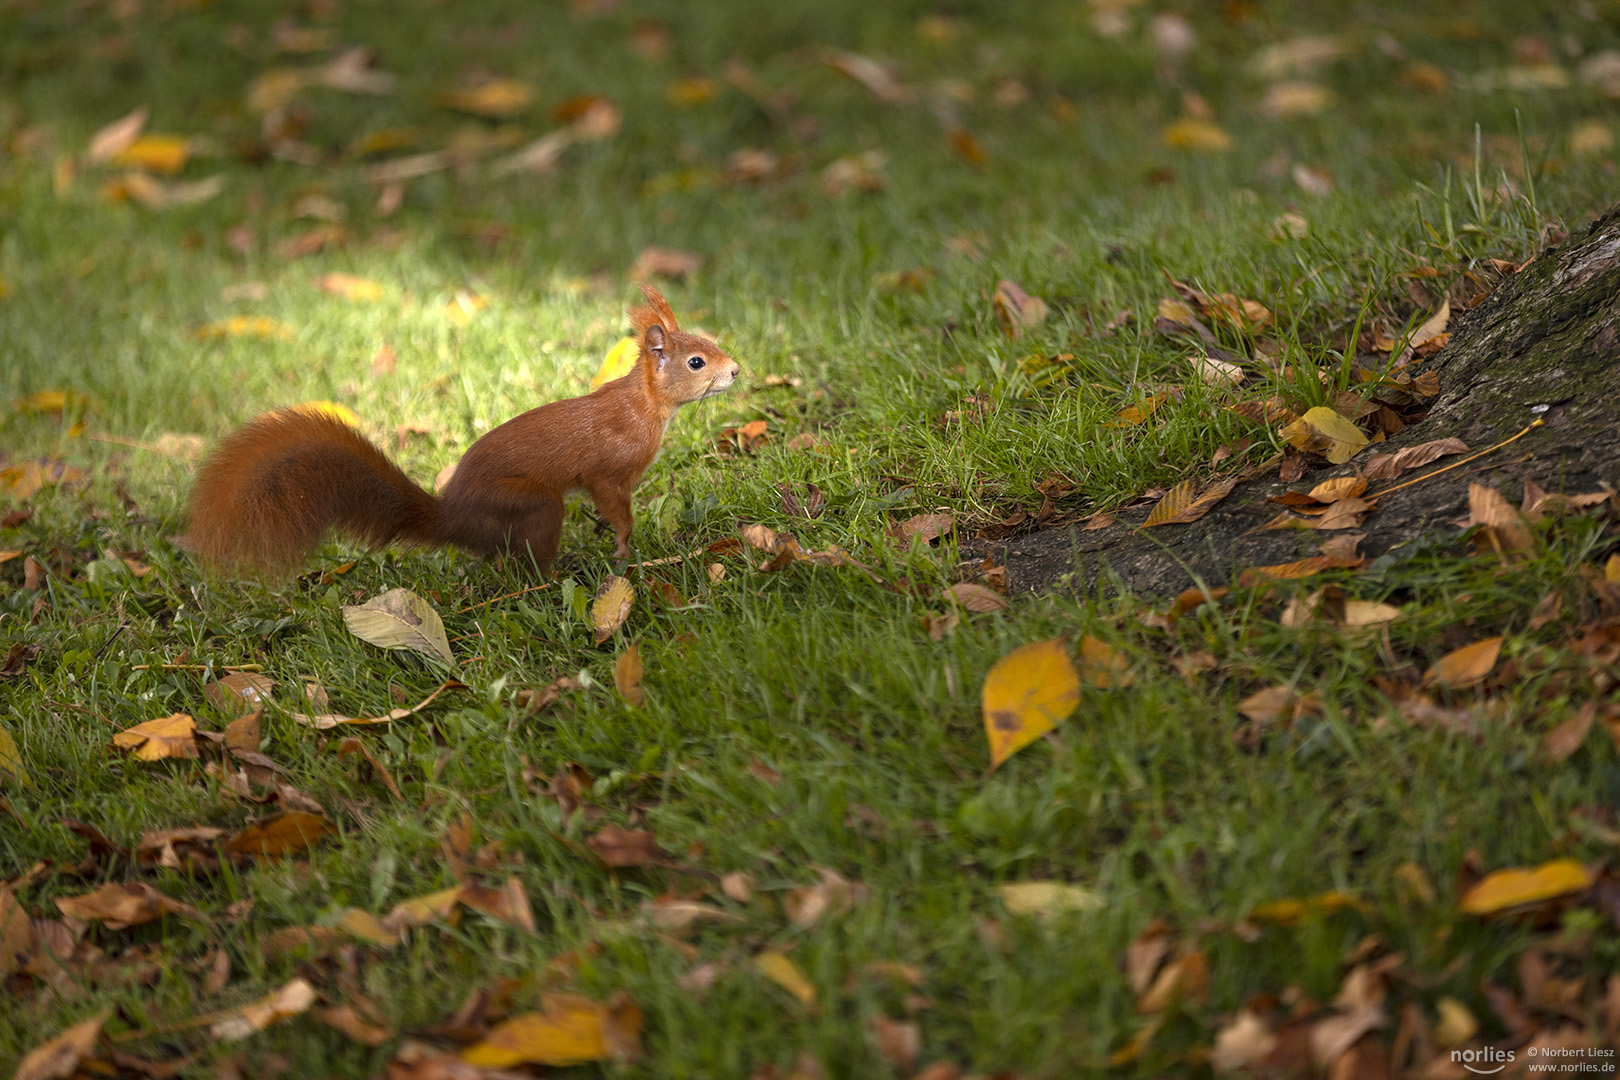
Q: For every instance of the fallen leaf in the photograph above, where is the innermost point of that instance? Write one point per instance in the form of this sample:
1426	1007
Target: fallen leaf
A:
1432	327
1293	912
975	598
239	692
621	848
618	362
11	766
165	154
1026	694
257	326
293	998
1510	888
112	140
1104	666
870	73
326	721
171	736
927	527
1190	133
1323	431
1183	503
494	99
627	676
1287	100
834	894
1562	741
350	287
1047	899
1244	1043
283	834
400	619
347	1019
1457	1025
1464	667
463	306
898	1042
786	974
1016	310
61	1055
1339	488
611	607
121	905
1486	506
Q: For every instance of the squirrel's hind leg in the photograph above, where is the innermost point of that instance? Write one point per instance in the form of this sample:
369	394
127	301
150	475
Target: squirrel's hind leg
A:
538	532
613	503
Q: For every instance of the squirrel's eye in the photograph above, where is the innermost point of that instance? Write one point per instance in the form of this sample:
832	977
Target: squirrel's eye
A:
695	363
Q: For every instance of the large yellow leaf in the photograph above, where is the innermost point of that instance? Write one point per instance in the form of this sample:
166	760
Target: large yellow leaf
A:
612	606
495	99
399	619
1190	133
1510	888
1026	694
11	766
166	737
617	363
154	153
1183	504
1323	431
571	1031
289	1000
1047	899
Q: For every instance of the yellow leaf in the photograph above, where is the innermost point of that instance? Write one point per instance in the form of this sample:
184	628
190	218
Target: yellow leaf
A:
1192	134
1457	1025
1466	666
359	289
1104	666
786	974
367	927
400	619
1510	888
618	362
1432	327
569	1032
1323	431
258	326
11	766
1047	898
423	910
496	98
165	737
1182	504
693	91
1135	414
1289	912
1343	487
612	606
463	306
1369	613
1611	570
1026	694
45	402
62	1054
627	676
154	153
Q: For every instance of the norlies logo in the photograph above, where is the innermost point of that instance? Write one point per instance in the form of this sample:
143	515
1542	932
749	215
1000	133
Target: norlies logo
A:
1485	1062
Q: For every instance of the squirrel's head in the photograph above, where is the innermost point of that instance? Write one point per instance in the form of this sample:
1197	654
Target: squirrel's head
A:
679	367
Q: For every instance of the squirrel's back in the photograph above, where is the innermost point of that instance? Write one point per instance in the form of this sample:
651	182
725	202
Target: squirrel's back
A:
270	491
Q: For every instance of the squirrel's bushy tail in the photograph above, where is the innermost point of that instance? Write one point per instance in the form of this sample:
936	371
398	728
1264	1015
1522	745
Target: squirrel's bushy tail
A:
271	490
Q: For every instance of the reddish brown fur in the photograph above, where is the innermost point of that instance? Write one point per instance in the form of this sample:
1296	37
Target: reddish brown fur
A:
271	491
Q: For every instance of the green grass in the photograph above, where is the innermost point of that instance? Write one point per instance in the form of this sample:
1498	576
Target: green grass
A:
1146	795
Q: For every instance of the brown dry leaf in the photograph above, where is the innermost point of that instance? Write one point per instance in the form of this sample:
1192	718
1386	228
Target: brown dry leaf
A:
1217	372
1343	487
166	737
239	692
61	1055
327	721
611	607
112	140
1026	694
1301	568
654	261
967	147
1344	514
347	1019
786	974
898	1042
243	732
1186	977
1243	1044
1389	466
975	598
1183	503
927	527
284	834
872	74
1104	666
1190	133
190	848
759	537
1016	310
938	626
1504	889
856	172
1272	703
290	1000
1432	327
1465	667
1292	912
627	671
508	904
16	933
1562	741
1487	507
620	848
834	894
532	701
1131	415
424	910
120	906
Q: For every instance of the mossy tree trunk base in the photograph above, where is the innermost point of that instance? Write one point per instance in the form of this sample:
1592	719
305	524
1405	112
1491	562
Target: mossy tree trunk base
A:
1546	344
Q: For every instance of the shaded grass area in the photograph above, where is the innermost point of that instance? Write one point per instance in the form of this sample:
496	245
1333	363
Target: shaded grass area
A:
1156	796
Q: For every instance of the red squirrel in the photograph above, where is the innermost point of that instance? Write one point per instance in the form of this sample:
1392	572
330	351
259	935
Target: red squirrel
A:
270	492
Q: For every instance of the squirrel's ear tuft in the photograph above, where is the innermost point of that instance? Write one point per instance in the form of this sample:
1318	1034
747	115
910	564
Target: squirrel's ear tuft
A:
660	307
